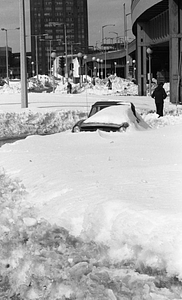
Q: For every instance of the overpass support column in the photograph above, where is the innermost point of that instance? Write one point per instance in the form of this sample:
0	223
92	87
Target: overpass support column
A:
141	59
175	50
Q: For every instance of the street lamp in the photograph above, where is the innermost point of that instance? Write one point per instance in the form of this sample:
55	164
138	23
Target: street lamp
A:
101	64
66	52
33	71
103	41
53	55
23	60
72	44
50	49
85	58
36	51
80	55
98	60
126	39
134	68
93	72
7	63
149	52
115	64
103	31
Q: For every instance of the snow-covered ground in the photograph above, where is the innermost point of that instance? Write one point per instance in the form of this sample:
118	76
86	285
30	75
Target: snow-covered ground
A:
90	215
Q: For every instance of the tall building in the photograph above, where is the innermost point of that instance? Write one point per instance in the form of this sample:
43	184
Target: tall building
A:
57	25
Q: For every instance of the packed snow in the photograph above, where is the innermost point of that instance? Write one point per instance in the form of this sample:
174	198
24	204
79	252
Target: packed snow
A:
89	215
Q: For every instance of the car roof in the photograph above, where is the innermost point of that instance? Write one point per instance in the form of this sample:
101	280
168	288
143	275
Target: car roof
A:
108	102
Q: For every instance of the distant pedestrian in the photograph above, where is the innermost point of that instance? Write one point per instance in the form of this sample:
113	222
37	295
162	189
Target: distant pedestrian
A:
109	84
69	88
159	94
125	91
93	80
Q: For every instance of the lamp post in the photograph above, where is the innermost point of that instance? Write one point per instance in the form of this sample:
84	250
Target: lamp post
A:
115	64
149	52
53	55
93	60
85	58
23	62
103	42
7	58
36	51
80	55
33	71
101	64
103	32
98	72
134	68
50	51
105	60
72	44
126	39
66	52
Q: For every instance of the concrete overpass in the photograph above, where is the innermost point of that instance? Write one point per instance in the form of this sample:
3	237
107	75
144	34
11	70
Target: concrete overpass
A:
113	60
156	24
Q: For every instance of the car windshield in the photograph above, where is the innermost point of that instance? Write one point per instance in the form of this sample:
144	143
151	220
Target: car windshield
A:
95	109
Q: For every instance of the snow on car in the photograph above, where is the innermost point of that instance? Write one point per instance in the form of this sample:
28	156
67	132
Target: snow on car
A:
114	118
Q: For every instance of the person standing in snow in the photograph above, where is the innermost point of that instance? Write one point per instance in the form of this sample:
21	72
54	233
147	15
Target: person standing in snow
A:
109	84
69	88
159	94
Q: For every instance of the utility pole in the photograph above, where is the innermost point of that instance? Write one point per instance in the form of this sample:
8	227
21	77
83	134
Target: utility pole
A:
126	39
23	62
66	52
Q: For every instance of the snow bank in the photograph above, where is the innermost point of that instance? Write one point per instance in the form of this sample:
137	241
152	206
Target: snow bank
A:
40	261
21	124
123	250
120	86
40	121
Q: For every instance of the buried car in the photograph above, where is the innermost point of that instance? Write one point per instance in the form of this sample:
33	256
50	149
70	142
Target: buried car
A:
111	116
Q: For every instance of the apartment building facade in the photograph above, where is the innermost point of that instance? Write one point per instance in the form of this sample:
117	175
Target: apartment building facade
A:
60	26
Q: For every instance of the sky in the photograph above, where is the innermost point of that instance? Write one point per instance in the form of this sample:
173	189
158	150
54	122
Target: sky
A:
100	12
119	189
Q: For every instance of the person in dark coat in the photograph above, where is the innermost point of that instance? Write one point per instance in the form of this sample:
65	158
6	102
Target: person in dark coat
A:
109	84
159	94
69	88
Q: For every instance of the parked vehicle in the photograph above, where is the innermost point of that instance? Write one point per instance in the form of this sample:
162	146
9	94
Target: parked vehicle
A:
110	116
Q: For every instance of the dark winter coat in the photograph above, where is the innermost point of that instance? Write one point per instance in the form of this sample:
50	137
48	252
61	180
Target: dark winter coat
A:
159	94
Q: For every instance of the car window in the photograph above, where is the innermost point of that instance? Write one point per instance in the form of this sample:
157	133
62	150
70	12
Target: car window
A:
95	109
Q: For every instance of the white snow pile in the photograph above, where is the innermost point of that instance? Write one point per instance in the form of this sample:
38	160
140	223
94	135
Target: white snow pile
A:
43	261
13	87
41	122
120	86
40	85
27	122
